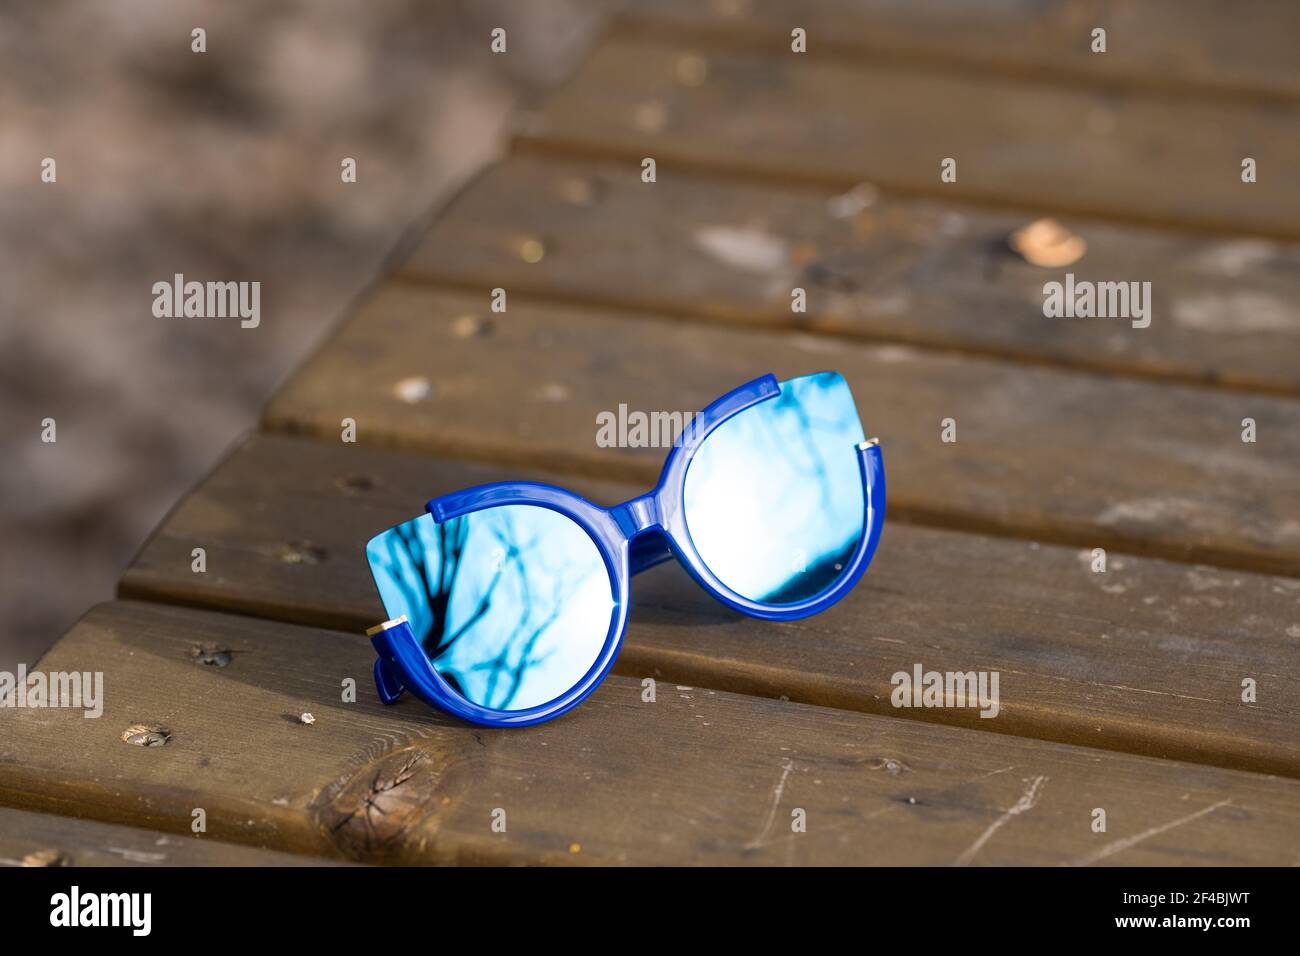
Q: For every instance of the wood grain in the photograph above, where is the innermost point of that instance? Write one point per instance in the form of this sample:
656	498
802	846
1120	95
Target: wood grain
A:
695	777
42	839
936	275
1196	47
1147	657
1129	156
1059	456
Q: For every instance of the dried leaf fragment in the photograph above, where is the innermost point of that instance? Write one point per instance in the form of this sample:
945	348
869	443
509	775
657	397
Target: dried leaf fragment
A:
146	735
1046	243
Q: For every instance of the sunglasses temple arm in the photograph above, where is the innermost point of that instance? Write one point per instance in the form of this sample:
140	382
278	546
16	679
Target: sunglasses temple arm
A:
387	682
646	551
389	638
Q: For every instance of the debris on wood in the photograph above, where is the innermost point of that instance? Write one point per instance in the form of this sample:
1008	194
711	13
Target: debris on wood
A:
211	656
651	116
301	552
692	69
413	389
470	326
146	735
746	248
45	858
532	250
579	190
849	204
1046	243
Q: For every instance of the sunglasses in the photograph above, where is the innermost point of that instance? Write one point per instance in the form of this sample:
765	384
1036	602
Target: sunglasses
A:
508	601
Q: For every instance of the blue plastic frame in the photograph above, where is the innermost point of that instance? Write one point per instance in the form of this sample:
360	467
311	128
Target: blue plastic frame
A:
631	537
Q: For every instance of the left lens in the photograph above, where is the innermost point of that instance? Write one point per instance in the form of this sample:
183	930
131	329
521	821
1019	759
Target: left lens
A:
773	498
512	604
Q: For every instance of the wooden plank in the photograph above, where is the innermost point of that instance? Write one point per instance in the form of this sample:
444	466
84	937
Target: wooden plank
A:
695	777
1194	46
1146	658
43	839
1040	453
1226	312
284	523
1135	157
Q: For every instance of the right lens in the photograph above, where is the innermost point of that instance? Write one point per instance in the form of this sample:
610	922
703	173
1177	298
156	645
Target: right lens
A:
512	604
773	498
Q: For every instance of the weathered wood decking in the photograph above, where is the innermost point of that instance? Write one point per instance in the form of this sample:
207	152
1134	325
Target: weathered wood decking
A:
1120	691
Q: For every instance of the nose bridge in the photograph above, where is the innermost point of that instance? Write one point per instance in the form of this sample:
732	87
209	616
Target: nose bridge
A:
638	515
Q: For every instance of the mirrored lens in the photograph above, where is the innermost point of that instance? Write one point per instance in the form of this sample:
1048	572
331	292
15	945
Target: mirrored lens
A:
774	498
511	604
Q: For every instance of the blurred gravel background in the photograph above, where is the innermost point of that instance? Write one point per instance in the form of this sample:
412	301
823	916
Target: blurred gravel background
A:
221	166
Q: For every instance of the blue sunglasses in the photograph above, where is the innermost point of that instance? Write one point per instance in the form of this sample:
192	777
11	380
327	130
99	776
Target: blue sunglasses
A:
508	601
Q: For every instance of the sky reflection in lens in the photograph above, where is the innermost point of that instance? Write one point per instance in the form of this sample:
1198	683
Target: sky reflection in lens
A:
512	604
774	498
